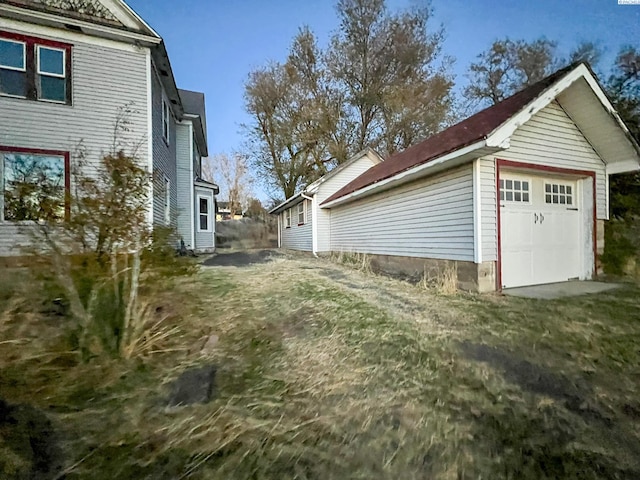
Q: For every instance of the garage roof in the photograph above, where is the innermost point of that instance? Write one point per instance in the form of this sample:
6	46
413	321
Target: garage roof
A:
493	127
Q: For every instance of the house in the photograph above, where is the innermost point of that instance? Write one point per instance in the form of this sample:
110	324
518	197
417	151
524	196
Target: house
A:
95	74
517	194
302	224
223	212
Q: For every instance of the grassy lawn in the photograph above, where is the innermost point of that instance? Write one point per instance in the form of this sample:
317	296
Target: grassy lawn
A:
325	372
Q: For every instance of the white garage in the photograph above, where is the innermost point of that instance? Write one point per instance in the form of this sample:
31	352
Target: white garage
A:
546	228
515	195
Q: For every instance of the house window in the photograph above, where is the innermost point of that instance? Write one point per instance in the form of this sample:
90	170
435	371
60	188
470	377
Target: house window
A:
167	201
558	194
51	74
13	68
204	214
34	186
287	218
301	212
35	69
517	191
166	116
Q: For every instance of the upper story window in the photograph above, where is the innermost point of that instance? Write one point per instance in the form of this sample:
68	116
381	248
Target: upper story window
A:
166	117
35	69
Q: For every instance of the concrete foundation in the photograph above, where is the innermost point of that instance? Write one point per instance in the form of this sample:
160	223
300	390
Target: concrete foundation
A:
471	276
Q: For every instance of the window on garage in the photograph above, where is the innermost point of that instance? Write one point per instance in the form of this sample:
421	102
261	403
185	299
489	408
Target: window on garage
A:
515	190
558	194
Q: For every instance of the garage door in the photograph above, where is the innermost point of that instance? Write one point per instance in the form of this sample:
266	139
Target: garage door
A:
540	230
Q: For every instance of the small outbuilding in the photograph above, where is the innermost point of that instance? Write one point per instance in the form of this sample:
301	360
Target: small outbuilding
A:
515	195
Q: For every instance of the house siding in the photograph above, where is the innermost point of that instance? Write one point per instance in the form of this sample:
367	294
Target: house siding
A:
104	80
328	188
164	156
430	218
184	184
298	237
550	138
205	240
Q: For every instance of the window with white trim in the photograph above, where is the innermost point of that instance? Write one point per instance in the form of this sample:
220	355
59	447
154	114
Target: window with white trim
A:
204	214
287	218
33	185
51	74
558	194
166	118
167	201
13	68
516	191
301	212
35	69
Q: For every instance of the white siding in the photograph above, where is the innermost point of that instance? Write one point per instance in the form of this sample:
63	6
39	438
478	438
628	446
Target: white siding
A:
550	138
328	188
185	183
104	79
205	240
298	237
431	218
489	239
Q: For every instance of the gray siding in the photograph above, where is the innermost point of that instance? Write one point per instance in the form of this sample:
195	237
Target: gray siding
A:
205	240
298	237
550	138
164	157
328	188
431	218
104	80
184	184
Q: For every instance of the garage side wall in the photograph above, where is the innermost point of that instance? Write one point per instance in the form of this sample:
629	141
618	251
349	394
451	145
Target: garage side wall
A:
297	237
430	218
550	138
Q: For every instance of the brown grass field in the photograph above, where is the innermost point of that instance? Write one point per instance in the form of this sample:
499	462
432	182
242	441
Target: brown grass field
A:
327	371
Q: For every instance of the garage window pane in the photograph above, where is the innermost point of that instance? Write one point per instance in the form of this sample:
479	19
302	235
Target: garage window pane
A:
509	184
525	186
509	196
517	196
525	197
547	199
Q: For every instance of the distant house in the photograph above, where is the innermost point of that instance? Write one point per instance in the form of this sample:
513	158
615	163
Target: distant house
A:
224	212
66	73
515	195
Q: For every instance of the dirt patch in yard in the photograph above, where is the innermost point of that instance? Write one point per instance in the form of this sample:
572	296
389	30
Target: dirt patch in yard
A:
241	259
576	394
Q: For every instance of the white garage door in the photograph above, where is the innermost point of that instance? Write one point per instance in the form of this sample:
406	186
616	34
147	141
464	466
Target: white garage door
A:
540	230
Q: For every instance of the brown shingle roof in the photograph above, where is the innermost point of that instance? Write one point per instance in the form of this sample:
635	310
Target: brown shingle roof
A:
467	132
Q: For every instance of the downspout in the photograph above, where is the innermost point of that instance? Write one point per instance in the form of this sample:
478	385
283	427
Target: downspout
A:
314	225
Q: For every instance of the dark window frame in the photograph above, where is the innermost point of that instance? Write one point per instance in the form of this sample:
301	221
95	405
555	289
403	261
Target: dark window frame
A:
31	63
5	149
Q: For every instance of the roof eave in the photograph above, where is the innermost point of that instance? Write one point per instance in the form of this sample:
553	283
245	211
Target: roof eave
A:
289	202
475	150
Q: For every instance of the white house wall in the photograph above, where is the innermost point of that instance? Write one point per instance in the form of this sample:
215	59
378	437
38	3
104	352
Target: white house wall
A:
106	76
430	218
550	138
298	237
184	183
328	188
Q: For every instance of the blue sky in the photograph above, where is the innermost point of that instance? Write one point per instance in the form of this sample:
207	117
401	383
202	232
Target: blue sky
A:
214	44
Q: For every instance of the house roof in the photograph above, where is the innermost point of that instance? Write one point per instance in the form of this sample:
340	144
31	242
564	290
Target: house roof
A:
194	106
463	134
313	187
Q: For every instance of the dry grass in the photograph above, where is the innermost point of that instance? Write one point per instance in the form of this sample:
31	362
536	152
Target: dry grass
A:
443	282
328	372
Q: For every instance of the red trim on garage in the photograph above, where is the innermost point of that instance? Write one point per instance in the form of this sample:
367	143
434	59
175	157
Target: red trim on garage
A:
543	168
67	169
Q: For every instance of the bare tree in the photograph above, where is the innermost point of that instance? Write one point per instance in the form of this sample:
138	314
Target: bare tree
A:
508	66
232	175
379	84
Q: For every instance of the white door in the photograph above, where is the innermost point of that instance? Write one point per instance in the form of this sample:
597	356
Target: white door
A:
540	229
